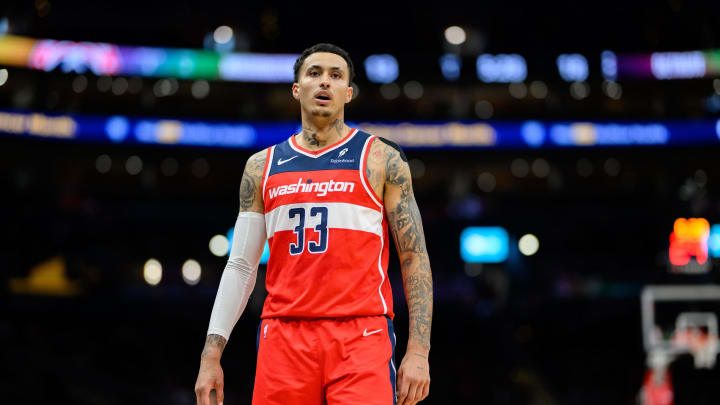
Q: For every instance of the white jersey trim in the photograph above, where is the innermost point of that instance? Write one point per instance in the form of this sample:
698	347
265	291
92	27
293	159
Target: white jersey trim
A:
382	273
267	172
314	156
361	171
340	216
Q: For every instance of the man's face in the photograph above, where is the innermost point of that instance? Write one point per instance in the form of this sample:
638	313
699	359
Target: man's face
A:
323	86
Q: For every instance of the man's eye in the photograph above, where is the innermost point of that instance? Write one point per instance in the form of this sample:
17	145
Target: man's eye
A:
314	73
336	75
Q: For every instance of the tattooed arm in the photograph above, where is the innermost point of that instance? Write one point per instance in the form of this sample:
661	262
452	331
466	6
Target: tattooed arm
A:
237	281
406	227
251	184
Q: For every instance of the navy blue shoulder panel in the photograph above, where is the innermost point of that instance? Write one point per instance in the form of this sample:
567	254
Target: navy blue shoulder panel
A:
346	156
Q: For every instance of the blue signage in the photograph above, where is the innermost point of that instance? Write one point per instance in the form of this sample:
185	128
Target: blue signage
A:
436	135
484	244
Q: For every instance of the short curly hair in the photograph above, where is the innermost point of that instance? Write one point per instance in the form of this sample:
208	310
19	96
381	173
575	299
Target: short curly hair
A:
324	47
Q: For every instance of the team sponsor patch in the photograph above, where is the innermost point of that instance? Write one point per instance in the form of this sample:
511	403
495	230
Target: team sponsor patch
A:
342	160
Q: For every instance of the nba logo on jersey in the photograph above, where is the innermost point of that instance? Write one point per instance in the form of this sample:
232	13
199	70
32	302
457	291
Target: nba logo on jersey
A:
326	230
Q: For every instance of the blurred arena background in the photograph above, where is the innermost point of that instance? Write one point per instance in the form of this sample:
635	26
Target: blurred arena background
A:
565	158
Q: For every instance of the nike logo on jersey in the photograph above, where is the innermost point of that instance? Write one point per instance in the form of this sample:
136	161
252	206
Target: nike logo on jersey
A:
282	162
321	188
366	333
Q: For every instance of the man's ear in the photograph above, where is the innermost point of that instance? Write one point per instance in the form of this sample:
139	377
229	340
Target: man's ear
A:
349	94
296	91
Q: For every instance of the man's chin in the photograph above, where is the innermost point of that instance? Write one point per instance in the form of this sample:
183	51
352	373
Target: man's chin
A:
321	112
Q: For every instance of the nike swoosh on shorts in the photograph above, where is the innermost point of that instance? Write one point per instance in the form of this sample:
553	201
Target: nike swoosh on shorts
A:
366	333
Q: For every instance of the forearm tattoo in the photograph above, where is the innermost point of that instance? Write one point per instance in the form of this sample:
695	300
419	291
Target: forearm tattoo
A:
419	293
405	216
406	226
213	341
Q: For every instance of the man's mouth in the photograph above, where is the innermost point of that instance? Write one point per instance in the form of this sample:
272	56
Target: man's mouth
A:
323	97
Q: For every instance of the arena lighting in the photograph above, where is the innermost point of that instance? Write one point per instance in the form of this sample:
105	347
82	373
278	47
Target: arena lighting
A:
253	67
266	250
502	68
540	168
486	182
219	245
200	89
533	133
439	135
79	84
589	134
714	241
222	34
450	65
455	35
110	60
608	63
538	89
519	168
103	164
484	109
612	89
579	90
191	272
689	239
3	76
484	244
677	65
662	65
117	128
572	67
134	165
413	90
194	133
528	244
381	68
152	272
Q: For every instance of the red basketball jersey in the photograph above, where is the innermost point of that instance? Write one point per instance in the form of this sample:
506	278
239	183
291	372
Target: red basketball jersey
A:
327	232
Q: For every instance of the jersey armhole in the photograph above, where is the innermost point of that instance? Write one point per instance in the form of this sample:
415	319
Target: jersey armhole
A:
266	170
363	171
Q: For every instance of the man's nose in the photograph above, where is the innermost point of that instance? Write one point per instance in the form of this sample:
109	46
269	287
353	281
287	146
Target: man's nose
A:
325	81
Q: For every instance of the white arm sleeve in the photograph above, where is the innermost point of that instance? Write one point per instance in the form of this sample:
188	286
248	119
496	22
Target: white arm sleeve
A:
238	278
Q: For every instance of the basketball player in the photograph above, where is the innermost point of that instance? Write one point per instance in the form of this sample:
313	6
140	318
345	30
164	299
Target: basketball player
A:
324	199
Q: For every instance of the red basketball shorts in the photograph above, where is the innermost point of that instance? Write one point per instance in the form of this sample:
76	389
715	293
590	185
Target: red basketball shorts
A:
325	361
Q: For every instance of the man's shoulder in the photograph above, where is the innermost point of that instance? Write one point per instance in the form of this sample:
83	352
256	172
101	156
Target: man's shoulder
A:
256	162
392	148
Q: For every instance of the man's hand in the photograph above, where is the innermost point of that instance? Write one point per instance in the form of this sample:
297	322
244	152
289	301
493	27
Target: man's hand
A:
413	383
210	376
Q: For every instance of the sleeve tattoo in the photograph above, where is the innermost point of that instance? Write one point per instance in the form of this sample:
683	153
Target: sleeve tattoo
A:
251	183
406	226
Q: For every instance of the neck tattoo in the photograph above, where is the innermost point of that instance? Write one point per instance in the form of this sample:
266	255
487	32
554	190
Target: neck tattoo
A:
338	125
311	138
